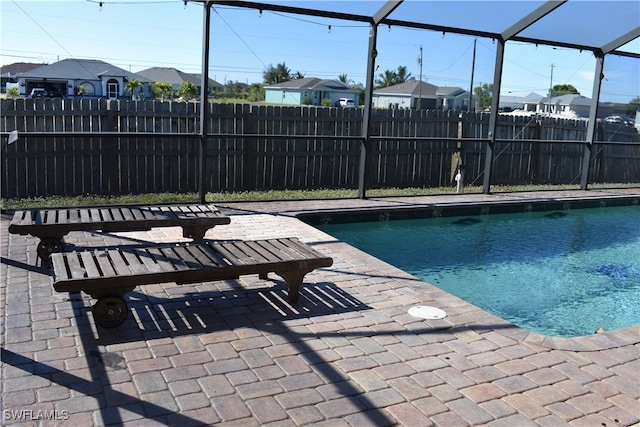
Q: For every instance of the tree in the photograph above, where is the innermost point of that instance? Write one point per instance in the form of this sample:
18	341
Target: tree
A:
483	95
402	76
187	91
278	74
564	89
256	92
345	79
132	86
386	79
82	91
13	92
237	88
162	91
391	78
297	76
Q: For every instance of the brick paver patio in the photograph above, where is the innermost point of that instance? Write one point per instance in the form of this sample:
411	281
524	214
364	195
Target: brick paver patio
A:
348	354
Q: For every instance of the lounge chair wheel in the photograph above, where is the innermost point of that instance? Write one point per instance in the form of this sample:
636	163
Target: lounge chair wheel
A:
110	312
49	245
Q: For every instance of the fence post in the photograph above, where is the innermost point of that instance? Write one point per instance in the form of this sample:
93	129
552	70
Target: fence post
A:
457	159
250	148
535	153
110	120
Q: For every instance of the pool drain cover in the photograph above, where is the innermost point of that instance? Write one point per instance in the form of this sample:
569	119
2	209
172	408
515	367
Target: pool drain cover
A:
426	312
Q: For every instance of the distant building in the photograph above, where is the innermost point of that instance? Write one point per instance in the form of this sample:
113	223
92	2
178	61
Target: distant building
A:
528	102
406	95
418	94
568	105
452	98
176	77
309	91
63	78
564	104
10	73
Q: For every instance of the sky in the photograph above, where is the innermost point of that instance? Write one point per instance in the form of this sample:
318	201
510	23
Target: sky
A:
139	34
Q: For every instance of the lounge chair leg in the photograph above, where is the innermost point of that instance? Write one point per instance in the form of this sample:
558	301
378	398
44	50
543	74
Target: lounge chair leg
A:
195	233
294	280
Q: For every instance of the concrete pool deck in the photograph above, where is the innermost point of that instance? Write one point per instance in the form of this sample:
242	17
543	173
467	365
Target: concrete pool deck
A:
348	354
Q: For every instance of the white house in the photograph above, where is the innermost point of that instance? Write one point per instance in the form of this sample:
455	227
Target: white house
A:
63	78
309	91
415	93
528	102
406	95
452	98
569	104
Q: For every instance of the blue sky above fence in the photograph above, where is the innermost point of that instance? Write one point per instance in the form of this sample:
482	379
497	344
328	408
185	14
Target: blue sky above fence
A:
135	35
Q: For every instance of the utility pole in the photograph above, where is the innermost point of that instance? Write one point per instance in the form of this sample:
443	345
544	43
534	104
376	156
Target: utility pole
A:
550	88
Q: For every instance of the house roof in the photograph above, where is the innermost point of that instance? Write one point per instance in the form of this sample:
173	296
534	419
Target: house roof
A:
533	97
12	70
312	83
414	87
80	69
567	99
571	99
450	91
173	76
530	98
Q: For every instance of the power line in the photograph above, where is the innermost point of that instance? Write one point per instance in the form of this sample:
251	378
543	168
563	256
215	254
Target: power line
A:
239	38
47	33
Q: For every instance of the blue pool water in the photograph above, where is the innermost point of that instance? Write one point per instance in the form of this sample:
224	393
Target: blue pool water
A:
559	273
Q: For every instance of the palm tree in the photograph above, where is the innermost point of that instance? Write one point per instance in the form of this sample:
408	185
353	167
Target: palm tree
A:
388	78
13	92
402	76
278	74
131	86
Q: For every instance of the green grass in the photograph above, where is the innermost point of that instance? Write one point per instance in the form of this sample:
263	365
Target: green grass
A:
155	198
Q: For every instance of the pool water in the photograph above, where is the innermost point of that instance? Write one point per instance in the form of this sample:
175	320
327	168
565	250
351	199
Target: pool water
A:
560	273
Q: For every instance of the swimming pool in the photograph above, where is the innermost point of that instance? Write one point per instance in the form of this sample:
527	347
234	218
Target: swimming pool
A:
562	273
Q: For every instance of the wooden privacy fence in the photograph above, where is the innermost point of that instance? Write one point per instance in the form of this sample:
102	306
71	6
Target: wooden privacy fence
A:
82	146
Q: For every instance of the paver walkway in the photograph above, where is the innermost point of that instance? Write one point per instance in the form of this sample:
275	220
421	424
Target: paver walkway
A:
348	354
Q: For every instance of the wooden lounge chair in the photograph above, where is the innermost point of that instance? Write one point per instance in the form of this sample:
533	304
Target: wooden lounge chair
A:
51	225
108	274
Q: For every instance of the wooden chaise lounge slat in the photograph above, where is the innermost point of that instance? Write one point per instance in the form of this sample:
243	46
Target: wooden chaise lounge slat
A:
51	225
111	273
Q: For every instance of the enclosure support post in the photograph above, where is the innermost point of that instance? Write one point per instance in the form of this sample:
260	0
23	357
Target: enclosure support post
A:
493	121
204	103
366	119
381	14
539	13
591	127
